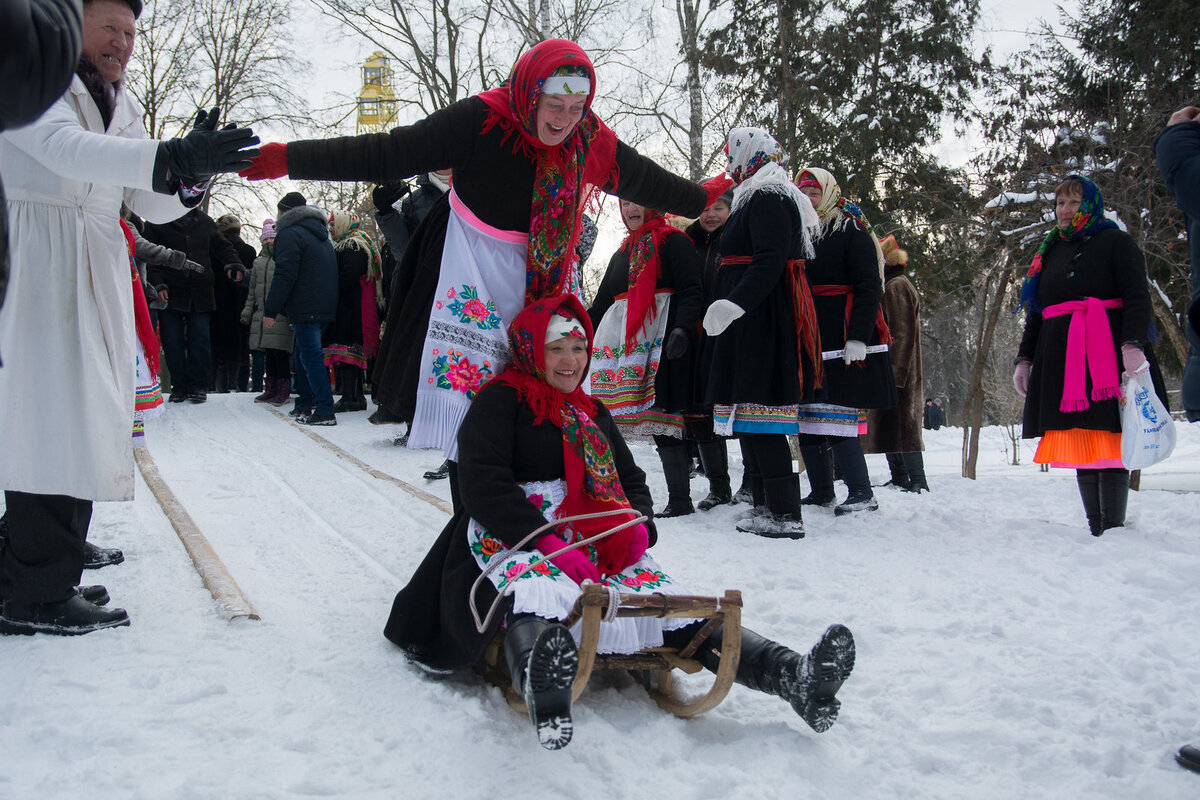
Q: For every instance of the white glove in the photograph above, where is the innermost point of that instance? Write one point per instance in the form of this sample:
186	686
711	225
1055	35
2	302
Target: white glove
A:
720	315
855	351
1021	378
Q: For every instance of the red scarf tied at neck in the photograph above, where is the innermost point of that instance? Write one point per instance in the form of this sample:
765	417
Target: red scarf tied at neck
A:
591	473
565	174
644	247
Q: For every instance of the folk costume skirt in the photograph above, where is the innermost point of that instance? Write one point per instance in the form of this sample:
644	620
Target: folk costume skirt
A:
546	591
148	399
481	287
623	377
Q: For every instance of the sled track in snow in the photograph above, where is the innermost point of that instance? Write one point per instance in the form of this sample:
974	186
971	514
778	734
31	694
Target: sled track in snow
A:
416	492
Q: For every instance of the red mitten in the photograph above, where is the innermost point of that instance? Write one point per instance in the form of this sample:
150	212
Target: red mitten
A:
716	187
270	163
622	549
574	563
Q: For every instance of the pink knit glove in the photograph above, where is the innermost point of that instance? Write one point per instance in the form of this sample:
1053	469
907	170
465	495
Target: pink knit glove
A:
1021	377
1133	359
574	563
622	549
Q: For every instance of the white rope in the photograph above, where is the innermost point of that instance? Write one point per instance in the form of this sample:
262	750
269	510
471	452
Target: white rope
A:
614	602
499	558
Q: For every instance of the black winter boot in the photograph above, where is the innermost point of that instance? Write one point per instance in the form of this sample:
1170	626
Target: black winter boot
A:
677	469
542	661
1089	492
914	462
820	476
783	519
96	557
716	466
808	682
70	617
848	453
352	398
900	479
1114	498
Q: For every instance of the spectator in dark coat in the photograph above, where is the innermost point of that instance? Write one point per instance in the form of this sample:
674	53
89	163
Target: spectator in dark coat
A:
230	339
306	287
39	45
186	323
1178	152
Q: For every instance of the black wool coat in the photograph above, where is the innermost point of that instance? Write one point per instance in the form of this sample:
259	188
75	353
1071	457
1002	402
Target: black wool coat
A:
1107	265
847	257
346	328
498	447
196	234
492	180
673	385
228	333
755	359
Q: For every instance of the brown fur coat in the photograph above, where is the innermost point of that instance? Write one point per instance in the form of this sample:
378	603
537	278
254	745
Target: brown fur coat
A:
898	429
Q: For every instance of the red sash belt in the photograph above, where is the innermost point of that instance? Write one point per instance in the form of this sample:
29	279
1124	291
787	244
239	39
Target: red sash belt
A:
834	289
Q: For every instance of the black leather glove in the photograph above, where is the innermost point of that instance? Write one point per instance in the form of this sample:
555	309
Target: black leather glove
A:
677	343
385	195
205	152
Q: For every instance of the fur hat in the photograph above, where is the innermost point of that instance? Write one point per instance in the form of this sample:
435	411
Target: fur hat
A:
292	200
228	222
892	254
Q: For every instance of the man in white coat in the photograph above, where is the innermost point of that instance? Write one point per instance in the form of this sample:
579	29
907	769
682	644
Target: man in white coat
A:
67	328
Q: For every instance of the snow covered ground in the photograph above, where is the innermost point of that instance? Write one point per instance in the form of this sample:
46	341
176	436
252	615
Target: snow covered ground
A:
1002	651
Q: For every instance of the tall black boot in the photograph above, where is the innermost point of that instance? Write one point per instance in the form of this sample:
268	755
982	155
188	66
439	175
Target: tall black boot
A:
677	469
900	479
1089	491
1114	498
352	399
914	462
820	476
715	458
808	682
848	453
783	519
542	661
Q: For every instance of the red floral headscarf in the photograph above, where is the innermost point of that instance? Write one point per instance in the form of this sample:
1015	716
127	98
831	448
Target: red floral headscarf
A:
565	174
591	473
644	247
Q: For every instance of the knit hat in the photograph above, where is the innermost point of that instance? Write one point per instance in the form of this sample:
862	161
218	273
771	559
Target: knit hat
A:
292	200
268	231
892	254
228	222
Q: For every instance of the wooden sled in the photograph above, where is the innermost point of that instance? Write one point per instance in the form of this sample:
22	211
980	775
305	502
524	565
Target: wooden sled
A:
592	607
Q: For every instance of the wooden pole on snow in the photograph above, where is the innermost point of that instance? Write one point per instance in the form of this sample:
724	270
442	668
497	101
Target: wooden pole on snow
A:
216	577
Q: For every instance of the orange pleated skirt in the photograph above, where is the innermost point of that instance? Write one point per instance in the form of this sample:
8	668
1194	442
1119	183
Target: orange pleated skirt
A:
1078	448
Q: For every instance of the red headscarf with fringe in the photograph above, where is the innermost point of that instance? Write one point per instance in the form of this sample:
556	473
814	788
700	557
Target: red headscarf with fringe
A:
591	473
565	174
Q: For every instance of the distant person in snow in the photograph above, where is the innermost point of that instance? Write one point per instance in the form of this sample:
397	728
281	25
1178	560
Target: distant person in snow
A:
1087	318
536	448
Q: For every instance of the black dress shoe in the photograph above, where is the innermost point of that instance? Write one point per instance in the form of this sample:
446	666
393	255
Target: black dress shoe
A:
440	473
69	617
177	397
97	557
96	595
197	397
381	416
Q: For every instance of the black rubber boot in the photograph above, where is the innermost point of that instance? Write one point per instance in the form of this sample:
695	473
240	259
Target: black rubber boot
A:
677	469
1089	492
900	479
820	476
352	399
542	661
783	519
808	682
914	463
1114	498
716	466
847	452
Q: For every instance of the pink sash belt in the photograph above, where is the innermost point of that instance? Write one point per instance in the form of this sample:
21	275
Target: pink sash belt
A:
1089	350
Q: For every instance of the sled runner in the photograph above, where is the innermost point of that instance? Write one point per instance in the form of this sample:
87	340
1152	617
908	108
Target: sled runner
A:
597	604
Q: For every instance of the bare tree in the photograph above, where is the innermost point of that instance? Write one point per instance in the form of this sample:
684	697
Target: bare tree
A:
161	76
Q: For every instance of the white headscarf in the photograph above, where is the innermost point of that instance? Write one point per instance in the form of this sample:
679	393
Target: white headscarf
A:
758	163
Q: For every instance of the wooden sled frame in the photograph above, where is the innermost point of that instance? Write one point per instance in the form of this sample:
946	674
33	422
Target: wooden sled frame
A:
592	607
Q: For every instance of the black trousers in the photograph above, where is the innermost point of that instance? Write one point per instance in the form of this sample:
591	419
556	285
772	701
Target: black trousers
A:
42	559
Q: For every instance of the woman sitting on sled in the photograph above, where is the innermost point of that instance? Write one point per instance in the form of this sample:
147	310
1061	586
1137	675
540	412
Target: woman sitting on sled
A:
535	448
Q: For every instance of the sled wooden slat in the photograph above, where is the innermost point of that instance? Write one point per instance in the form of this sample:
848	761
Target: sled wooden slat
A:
590	610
